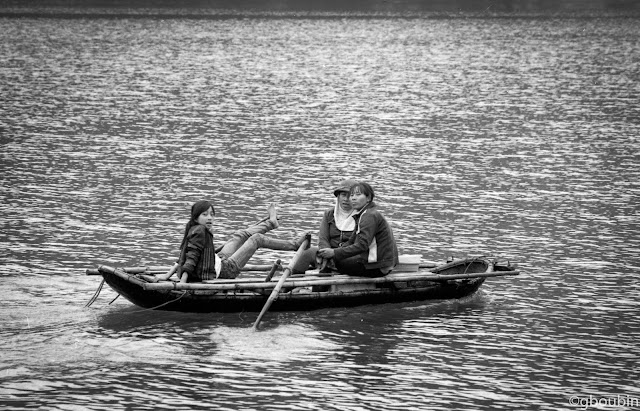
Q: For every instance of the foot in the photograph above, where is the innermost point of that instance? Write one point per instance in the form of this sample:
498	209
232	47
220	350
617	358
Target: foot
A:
273	215
322	267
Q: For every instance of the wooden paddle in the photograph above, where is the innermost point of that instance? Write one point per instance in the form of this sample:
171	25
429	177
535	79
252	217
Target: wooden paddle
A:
272	271
274	294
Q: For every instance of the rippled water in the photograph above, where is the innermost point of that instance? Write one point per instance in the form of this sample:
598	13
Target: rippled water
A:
510	137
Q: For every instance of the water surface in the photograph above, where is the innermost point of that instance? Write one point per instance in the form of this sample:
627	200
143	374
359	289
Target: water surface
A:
515	138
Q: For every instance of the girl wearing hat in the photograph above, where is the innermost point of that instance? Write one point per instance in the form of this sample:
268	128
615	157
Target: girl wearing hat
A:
371	250
337	223
336	227
198	258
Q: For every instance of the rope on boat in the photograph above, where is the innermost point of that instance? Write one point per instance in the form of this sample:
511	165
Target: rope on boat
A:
161	305
468	265
473	259
97	293
95	296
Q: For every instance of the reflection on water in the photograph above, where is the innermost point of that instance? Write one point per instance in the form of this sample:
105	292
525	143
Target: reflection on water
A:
515	138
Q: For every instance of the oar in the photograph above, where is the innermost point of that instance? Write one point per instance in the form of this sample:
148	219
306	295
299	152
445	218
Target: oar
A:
274	267
283	278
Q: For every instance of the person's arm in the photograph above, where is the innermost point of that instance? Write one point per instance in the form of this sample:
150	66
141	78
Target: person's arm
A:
195	245
359	242
324	235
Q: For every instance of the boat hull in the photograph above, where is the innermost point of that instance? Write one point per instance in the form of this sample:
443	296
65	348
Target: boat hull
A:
305	299
231	301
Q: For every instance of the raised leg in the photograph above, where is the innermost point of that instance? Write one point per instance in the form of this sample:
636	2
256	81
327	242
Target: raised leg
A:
239	237
246	251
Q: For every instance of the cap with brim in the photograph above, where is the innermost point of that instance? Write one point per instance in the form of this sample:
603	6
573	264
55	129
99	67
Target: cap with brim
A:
344	186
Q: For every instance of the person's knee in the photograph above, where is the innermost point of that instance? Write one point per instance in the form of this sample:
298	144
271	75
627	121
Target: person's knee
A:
257	239
306	261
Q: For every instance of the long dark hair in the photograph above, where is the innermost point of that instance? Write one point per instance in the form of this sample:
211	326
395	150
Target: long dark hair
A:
197	208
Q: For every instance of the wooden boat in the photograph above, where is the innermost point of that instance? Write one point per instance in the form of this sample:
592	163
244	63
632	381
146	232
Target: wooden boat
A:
309	291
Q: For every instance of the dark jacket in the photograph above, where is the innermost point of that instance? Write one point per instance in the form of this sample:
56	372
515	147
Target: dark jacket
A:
330	236
371	224
199	257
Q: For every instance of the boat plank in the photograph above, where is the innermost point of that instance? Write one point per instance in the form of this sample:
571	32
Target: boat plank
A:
318	282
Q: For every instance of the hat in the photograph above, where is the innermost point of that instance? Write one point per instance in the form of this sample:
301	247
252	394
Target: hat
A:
344	186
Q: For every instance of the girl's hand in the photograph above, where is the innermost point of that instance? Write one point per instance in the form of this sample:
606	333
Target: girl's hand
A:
326	253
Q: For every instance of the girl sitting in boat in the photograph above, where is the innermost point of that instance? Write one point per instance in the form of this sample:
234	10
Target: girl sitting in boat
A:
335	229
371	250
337	223
198	260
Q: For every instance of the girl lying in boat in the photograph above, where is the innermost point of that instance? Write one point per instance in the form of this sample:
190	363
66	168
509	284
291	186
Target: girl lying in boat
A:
198	259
